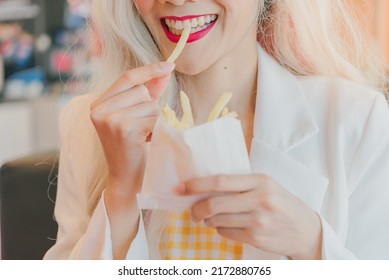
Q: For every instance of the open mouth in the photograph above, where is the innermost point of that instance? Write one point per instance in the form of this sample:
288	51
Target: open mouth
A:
200	26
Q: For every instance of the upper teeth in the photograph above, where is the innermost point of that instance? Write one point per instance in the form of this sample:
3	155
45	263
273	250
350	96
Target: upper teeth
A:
194	22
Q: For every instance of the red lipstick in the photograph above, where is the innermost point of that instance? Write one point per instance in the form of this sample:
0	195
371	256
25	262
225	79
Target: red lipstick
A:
193	36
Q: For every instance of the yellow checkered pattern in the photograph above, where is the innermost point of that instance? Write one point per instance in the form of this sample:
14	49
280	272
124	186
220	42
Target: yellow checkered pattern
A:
184	239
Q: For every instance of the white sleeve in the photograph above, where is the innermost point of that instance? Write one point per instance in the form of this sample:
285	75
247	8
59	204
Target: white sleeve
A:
368	199
81	235
96	242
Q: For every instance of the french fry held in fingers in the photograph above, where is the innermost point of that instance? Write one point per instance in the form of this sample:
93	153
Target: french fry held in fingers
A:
181	44
187	121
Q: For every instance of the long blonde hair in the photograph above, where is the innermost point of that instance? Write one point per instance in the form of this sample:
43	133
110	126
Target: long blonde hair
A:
322	38
309	37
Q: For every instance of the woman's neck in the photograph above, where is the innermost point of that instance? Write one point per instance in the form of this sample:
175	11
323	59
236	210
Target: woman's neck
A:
237	73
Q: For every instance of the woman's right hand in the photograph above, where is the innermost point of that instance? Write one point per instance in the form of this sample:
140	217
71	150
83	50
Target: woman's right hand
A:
124	117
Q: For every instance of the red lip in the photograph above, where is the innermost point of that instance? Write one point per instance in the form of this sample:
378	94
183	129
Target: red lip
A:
193	37
187	17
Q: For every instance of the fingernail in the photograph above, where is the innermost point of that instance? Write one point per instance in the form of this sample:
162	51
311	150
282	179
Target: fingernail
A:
168	66
180	189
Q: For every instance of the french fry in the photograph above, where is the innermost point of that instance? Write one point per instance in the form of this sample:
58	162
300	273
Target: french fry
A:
172	120
187	116
227	113
220	104
232	114
180	45
224	112
187	121
170	116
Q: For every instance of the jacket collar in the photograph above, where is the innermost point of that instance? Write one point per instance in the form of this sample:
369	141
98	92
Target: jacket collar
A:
282	122
282	119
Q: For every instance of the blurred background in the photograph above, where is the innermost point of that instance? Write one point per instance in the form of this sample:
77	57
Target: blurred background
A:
42	48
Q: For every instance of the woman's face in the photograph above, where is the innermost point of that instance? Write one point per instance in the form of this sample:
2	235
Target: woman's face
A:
218	27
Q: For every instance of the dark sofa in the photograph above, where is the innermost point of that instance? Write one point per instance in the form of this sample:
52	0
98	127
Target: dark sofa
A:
27	193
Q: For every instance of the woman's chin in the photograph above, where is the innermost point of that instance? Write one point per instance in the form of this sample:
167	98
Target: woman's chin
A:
190	69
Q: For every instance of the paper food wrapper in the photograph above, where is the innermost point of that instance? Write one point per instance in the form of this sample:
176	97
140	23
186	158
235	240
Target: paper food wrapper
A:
213	148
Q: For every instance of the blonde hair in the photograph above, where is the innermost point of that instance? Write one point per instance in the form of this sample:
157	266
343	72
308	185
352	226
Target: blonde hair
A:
308	37
322	38
126	43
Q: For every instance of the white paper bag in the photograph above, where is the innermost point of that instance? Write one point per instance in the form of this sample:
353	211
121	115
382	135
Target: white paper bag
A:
217	147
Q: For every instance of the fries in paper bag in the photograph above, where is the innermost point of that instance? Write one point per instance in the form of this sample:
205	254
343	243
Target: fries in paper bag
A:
180	151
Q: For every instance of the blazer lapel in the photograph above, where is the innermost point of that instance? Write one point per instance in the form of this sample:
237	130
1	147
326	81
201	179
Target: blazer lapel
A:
282	122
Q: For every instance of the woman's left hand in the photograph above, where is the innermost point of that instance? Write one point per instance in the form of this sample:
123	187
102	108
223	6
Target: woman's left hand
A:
255	209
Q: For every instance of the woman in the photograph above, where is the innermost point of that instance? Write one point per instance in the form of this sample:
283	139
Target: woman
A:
316	129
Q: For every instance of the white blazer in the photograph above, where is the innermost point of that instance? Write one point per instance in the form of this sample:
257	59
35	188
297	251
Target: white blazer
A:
326	140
